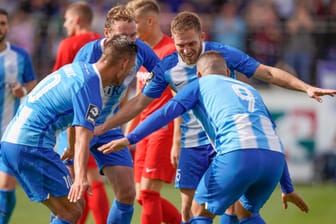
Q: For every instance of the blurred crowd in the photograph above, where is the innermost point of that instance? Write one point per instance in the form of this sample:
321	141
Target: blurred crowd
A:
292	34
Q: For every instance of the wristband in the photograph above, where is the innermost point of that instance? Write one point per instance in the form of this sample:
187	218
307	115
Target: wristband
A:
24	90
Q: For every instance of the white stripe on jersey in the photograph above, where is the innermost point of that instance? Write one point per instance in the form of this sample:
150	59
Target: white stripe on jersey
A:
15	129
245	132
273	140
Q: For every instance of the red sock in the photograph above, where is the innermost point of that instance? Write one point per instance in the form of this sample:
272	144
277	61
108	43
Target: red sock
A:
85	211
151	207
98	202
170	214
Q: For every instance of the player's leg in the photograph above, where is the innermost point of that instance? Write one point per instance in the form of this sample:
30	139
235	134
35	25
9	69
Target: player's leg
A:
121	180
157	170
271	165
118	169
98	202
193	162
44	178
7	195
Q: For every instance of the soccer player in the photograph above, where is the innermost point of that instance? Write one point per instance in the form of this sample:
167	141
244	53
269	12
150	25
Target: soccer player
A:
117	167
177	70
72	96
152	166
77	22
249	161
17	78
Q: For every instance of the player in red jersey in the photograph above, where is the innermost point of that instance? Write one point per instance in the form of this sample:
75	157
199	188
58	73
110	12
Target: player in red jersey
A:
152	166
78	20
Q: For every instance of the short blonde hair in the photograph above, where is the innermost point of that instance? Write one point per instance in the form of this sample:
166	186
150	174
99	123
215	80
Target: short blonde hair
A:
185	21
83	9
119	13
144	6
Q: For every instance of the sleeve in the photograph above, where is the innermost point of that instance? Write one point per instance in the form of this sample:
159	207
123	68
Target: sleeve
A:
286	182
184	100
237	60
146	55
87	105
156	120
90	52
157	84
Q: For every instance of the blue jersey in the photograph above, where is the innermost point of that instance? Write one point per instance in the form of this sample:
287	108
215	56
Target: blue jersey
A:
232	113
15	66
174	72
113	95
71	95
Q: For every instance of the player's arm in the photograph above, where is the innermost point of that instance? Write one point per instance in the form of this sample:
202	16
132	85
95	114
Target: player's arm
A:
288	193
127	112
284	79
153	122
83	137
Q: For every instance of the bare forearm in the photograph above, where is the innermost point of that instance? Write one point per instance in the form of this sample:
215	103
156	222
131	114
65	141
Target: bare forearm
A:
128	111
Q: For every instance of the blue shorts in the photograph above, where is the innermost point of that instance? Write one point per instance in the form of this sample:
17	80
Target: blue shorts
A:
192	164
40	171
119	158
250	175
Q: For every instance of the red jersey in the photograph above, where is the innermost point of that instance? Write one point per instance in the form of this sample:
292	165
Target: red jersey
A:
163	48
69	47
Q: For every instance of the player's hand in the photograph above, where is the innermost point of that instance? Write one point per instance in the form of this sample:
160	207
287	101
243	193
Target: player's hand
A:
78	188
316	93
68	154
296	199
114	145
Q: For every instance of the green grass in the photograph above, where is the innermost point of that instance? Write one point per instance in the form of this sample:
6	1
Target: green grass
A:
321	200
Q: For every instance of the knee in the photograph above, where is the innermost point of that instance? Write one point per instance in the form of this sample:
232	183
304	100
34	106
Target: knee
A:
126	195
7	182
72	213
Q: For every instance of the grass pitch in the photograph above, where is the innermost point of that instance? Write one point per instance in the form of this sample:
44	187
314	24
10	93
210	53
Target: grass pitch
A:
321	200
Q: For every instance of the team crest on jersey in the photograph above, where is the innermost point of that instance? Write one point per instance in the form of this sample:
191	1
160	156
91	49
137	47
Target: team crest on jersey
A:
92	114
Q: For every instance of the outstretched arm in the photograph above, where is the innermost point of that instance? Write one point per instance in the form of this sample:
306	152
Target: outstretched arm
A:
284	79
152	123
127	112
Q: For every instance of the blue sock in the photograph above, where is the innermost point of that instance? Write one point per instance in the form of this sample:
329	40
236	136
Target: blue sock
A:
56	220
184	222
120	213
200	220
52	217
7	204
255	219
228	219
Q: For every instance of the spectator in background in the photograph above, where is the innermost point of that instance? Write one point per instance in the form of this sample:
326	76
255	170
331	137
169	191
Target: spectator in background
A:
17	78
228	27
299	44
22	32
77	22
264	32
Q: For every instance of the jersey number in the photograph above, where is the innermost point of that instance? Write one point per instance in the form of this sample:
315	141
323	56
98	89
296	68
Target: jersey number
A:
245	94
52	82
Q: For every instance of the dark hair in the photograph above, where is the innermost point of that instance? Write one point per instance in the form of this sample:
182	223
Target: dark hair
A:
3	12
119	47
